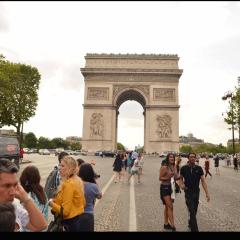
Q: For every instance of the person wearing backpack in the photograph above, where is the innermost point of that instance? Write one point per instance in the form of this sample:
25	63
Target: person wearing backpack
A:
53	179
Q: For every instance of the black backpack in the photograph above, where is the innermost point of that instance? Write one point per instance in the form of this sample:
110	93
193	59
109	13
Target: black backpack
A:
51	183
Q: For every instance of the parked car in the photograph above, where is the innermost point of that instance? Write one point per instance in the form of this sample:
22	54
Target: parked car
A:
185	155
98	153
70	152
76	153
9	149
44	152
108	154
163	154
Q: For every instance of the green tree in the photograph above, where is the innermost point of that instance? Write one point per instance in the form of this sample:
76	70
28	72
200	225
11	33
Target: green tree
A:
30	140
186	149
58	143
44	142
76	146
120	146
19	84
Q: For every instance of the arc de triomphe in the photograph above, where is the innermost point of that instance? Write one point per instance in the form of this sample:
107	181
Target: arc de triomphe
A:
111	79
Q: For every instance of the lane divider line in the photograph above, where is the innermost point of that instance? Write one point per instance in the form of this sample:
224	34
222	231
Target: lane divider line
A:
132	208
105	188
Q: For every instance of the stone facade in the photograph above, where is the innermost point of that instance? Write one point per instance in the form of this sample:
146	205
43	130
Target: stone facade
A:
111	79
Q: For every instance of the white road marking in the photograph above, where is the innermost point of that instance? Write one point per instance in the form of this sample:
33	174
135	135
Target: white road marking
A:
105	188
132	209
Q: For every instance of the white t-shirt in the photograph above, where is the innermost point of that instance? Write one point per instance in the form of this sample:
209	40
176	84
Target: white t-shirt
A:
22	217
135	166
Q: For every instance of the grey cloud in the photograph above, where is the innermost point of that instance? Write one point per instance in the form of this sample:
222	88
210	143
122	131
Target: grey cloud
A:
224	54
46	68
133	123
131	109
72	78
3	20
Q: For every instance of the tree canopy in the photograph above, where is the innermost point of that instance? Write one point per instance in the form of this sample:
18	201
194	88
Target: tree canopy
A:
30	140
19	84
120	146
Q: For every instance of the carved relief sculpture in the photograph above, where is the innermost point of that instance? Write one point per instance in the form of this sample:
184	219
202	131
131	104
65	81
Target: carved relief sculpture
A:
167	94
96	125
164	124
98	93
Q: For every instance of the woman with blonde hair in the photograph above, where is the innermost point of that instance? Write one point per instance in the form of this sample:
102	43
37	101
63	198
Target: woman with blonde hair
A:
70	196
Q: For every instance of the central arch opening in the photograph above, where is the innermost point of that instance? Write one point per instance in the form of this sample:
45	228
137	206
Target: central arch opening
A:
130	130
130	119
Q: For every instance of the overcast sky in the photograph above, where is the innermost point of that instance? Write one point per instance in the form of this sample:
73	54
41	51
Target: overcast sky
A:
55	37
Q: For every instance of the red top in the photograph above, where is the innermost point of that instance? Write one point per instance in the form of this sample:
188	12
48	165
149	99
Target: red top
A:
206	164
21	152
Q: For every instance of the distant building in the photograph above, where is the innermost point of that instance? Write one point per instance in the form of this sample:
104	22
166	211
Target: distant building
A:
190	140
8	132
230	142
73	139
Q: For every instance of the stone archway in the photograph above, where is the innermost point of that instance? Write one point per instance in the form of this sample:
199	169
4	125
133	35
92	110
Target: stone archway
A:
111	79
129	94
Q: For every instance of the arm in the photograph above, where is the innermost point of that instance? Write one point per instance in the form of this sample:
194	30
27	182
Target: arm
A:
180	183
67	197
204	185
98	192
37	221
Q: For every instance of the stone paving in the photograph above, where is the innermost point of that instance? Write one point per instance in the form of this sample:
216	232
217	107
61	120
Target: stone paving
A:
112	212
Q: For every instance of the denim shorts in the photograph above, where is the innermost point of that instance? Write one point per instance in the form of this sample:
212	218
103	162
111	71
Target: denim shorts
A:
165	190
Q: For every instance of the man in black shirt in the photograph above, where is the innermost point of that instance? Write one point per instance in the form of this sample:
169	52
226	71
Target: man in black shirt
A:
192	173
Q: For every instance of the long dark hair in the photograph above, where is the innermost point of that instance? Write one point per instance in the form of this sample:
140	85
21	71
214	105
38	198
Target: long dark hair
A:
167	158
30	180
86	173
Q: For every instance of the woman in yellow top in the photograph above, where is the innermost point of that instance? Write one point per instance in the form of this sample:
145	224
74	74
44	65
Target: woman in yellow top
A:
70	196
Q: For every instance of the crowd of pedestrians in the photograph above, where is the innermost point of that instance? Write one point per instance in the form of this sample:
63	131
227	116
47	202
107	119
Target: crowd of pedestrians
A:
71	190
130	163
24	203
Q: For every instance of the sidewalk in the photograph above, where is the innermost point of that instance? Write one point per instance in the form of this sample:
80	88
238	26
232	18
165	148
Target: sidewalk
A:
25	161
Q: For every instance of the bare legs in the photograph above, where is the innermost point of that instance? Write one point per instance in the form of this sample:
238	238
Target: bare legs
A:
168	211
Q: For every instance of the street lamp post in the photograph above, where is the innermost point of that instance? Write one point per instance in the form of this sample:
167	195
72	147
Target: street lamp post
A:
225	97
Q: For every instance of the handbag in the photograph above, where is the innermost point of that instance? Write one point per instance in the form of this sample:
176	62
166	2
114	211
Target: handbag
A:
56	225
173	188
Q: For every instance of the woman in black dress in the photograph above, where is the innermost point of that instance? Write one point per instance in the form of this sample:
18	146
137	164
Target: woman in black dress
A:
117	166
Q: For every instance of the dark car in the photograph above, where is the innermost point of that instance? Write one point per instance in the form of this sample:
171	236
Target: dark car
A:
98	153
108	154
185	155
9	148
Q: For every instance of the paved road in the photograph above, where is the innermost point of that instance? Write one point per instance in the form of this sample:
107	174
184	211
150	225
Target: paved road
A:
137	207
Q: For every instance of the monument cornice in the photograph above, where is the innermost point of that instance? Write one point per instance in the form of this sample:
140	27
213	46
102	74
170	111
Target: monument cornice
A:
87	71
92	105
130	56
